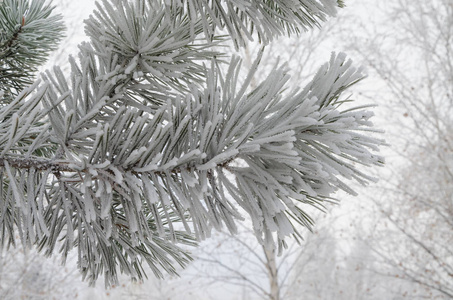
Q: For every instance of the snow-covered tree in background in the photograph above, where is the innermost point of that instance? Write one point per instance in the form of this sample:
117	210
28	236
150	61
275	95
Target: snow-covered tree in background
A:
29	275
411	52
155	137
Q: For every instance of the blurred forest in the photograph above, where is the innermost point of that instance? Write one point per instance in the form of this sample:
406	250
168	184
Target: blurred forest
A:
393	241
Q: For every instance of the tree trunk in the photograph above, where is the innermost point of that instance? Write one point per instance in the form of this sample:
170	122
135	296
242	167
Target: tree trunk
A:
272	273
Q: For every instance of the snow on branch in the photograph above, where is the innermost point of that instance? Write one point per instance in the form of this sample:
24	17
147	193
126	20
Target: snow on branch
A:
150	143
28	33
153	50
268	18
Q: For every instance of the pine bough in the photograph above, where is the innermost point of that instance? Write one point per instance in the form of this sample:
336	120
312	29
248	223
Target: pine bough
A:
153	140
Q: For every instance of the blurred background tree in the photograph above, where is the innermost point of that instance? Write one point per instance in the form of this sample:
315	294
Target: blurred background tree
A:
410	54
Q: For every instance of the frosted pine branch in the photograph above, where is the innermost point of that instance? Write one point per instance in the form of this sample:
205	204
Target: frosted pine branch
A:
37	164
148	143
268	19
28	32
